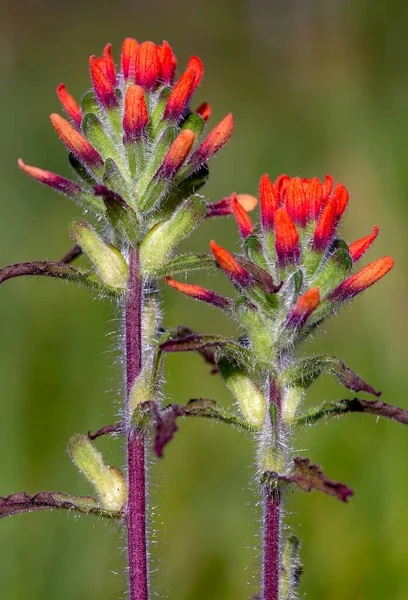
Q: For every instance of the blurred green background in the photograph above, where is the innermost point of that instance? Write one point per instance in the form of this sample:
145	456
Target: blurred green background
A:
315	86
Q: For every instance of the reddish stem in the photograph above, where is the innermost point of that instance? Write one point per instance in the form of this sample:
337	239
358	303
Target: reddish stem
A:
272	522
136	508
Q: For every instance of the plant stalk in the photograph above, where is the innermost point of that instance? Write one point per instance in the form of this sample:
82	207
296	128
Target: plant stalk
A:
136	465
272	519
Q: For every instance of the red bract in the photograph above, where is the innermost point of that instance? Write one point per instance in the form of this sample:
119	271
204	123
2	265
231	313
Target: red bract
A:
177	154
148	66
314	197
109	64
102	85
327	187
58	183
168	63
180	95
135	117
75	142
296	201
363	279
199	293
287	238
204	110
269	202
325	226
128	59
359	247
242	218
303	308
69	104
342	196
224	206
227	262
218	137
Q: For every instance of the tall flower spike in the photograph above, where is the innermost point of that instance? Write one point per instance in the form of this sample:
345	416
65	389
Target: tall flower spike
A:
303	308
242	218
362	280
103	87
69	104
128	59
325	226
75	142
199	293
227	262
269	202
296	201
148	66
109	64
177	154
359	247
287	238
135	116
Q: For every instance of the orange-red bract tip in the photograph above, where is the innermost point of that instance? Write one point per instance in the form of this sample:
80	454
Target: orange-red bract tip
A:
148	68
177	153
242	218
280	185
325	226
75	142
217	138
109	64
269	202
197	65
296	201
304	307
359	247
286	237
227	262
341	194
363	279
69	104
135	116
327	187
58	183
103	87
180	95
198	292
168	63
224	206
204	110
314	197
128	58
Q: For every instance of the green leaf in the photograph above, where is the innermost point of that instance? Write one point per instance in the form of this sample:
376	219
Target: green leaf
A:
306	370
334	270
163	239
121	216
89	104
108	482
113	178
187	263
95	133
195	123
197	342
22	502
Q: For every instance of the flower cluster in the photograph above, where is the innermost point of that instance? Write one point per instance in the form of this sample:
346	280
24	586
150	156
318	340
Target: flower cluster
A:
138	150
295	267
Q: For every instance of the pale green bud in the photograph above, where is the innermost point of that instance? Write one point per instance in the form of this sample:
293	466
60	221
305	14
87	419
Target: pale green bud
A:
108	482
107	260
291	399
249	396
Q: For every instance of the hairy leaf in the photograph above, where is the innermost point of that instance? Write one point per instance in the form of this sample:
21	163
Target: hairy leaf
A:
22	502
186	264
306	370
310	477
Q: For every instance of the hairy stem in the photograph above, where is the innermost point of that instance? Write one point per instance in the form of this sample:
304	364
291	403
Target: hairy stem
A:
136	507
272	519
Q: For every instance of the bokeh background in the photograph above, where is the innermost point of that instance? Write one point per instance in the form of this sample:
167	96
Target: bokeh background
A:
315	86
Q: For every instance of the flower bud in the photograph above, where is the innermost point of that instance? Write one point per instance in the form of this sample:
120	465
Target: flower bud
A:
128	59
250	398
269	202
102	85
135	117
147	65
242	218
76	143
362	280
69	104
227	262
199	293
358	248
287	238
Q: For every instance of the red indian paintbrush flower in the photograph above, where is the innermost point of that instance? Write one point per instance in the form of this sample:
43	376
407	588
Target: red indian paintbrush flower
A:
232	268
199	293
125	132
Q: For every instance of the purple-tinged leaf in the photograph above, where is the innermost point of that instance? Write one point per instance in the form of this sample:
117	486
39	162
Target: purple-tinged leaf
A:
22	502
262	277
203	342
60	270
310	477
106	430
165	425
359	405
306	370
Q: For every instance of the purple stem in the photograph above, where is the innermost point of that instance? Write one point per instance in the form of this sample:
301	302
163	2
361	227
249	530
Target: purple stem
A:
136	508
272	522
